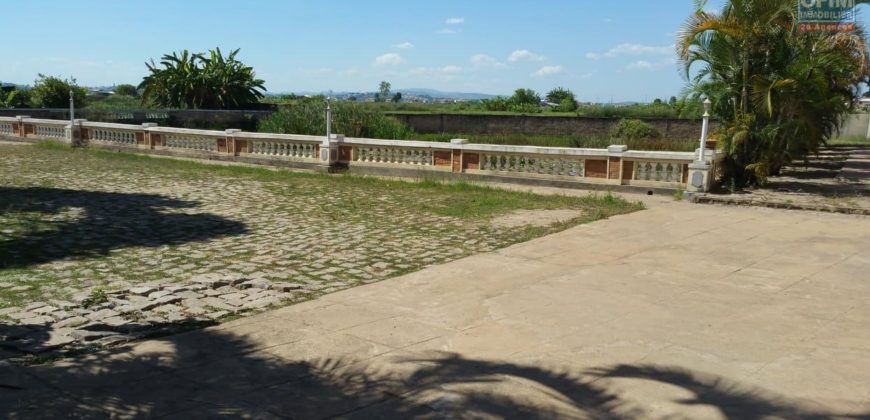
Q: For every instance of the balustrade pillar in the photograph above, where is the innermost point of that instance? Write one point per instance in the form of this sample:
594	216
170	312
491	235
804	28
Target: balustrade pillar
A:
75	133
148	137
230	141
615	162
22	131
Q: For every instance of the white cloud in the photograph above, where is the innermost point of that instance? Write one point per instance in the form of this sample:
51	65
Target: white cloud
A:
586	76
483	60
640	65
593	56
647	65
447	31
548	71
439	71
450	69
389	59
639	49
404	46
524	55
455	21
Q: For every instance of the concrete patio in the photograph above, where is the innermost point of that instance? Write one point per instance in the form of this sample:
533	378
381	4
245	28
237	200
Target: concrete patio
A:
683	311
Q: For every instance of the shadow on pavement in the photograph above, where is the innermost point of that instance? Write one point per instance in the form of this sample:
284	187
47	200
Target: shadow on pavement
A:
210	373
108	221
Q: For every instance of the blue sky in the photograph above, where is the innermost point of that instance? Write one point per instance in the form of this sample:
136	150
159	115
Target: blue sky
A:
603	50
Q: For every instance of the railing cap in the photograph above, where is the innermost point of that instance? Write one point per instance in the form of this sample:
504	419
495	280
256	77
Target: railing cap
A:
459	141
617	148
149	125
232	131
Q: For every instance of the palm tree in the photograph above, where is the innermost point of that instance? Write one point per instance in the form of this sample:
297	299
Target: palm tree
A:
779	93
185	80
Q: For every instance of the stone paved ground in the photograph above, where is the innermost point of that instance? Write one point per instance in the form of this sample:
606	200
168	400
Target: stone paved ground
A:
680	311
105	248
836	180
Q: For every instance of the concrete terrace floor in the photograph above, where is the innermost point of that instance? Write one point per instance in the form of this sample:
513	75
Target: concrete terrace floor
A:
679	311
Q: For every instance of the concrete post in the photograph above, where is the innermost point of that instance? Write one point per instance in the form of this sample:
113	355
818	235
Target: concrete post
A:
148	139
457	156
75	133
328	160
21	131
700	170
615	163
231	140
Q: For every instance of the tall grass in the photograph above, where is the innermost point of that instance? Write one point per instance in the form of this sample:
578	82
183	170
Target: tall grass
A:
349	118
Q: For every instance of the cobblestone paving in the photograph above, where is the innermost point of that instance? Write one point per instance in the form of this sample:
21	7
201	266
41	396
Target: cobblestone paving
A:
104	249
819	184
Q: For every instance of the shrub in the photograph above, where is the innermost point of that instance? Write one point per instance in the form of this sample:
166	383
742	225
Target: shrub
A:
526	96
567	105
126	90
15	99
349	118
635	129
53	92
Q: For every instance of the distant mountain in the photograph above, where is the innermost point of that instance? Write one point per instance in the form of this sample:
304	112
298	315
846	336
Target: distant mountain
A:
432	93
437	94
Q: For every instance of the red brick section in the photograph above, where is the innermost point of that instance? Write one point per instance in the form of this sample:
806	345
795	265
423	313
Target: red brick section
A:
596	169
615	162
457	161
470	161
28	129
222	145
344	153
140	137
240	146
155	139
685	174
16	128
85	134
442	158
627	169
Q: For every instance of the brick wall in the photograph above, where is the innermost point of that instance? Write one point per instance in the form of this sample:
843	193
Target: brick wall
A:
517	124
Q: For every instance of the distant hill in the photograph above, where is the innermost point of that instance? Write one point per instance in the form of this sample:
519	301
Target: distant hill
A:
432	93
437	94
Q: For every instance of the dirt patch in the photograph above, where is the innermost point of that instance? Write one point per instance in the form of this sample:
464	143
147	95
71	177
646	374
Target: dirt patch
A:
521	218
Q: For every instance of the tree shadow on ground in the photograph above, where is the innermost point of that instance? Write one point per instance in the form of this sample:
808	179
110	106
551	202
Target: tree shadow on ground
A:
209	373
107	221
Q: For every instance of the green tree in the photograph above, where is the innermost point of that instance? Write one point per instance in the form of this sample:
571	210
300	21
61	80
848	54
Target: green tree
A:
525	97
564	97
53	92
383	91
15	98
559	94
126	90
779	93
397	98
634	129
212	81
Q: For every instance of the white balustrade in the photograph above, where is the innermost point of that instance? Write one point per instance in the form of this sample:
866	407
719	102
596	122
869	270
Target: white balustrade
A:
392	155
658	171
283	149
545	165
189	142
6	128
113	136
53	131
